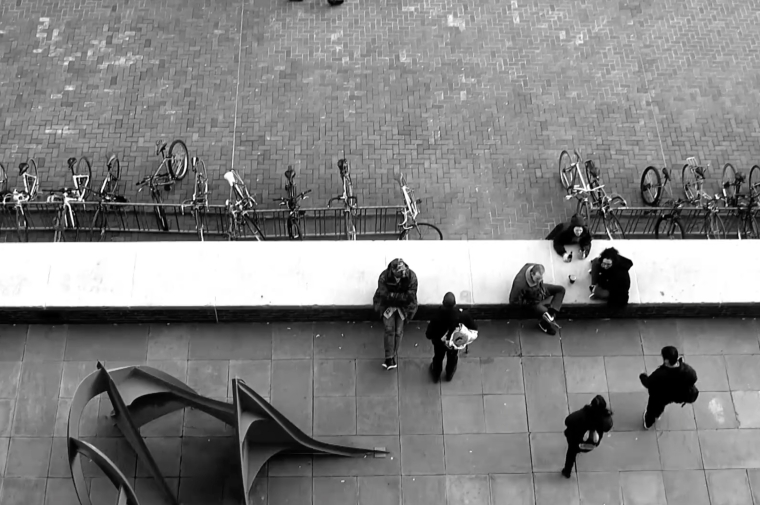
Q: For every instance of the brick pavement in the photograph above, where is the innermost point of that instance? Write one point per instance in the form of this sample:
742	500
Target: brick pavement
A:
474	99
491	436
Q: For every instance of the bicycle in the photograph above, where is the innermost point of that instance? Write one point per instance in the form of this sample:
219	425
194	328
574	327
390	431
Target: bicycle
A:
693	178
30	179
713	227
241	211
107	196
669	224
175	165
350	202
605	208
423	231
653	185
293	202
66	218
746	226
569	170
199	202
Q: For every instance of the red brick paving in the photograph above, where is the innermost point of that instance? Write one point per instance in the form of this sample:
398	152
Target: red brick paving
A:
473	99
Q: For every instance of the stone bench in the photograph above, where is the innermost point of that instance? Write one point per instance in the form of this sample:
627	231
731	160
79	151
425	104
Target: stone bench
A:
220	281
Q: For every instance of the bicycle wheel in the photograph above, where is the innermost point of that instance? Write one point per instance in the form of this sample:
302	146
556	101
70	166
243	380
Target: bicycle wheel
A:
689	184
98	227
583	211
30	178
160	212
201	179
59	226
350	227
200	224
714	228
751	229
594	194
651	186
669	227
617	201
252	227
22	225
754	182
566	170
422	231
179	150
114	168
728	184
82	175
3	179
294	229
613	227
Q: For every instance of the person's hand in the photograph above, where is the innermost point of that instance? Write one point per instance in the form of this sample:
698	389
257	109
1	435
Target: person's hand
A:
584	254
567	257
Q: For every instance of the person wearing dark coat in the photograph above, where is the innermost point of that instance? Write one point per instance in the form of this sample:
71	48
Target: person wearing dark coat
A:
670	383
395	301
573	232
585	429
610	278
439	331
541	300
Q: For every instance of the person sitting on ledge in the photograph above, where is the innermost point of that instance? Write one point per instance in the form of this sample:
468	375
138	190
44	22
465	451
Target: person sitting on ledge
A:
573	232
610	279
543	300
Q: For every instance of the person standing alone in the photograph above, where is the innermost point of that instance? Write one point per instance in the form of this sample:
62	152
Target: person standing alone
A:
439	332
396	302
673	382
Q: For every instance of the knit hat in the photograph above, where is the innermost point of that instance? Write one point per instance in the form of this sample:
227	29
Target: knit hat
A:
449	300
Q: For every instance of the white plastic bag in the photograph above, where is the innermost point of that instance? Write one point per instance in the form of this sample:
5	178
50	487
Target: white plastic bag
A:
461	337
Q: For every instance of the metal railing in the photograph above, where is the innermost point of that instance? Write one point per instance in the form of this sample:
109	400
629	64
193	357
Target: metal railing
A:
137	221
639	222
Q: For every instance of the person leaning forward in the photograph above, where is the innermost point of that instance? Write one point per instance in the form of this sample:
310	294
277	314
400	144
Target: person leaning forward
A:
585	429
439	330
573	232
542	300
395	301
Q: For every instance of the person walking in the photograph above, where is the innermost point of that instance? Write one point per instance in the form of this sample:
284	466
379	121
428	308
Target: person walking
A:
673	382
395	301
585	429
440	331
541	300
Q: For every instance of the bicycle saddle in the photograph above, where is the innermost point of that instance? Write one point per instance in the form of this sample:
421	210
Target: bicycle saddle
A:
343	166
22	168
700	172
111	160
665	172
592	168
160	146
740	177
290	173
71	161
230	178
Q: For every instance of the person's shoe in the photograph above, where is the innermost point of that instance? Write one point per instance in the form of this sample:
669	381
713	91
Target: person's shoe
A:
387	363
547	328
392	364
436	377
548	317
566	473
450	374
591	288
645	421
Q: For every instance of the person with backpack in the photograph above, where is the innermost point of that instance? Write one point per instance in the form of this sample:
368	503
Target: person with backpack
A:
442	332
585	429
673	382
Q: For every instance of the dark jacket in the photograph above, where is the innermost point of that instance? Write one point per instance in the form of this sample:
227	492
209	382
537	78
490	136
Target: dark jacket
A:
587	419
392	292
446	321
523	293
617	281
670	384
563	235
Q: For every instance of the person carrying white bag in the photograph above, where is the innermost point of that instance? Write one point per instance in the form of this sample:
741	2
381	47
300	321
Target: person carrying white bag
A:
450	331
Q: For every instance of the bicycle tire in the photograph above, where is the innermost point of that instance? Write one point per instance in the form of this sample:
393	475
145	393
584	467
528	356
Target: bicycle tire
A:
651	193
565	164
253	225
714	228
199	224
754	182
583	211
689	183
617	201
178	172
613	227
3	179
83	169
595	198
350	227
294	229
422	231
33	171
99	224
728	184
201	180
115	172
22	226
754	228
590	177
672	230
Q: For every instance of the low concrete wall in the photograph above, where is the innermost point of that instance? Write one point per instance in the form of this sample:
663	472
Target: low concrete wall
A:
219	281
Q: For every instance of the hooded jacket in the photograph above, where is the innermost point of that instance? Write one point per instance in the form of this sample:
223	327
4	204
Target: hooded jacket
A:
522	292
670	384
617	281
392	292
446	321
563	235
587	419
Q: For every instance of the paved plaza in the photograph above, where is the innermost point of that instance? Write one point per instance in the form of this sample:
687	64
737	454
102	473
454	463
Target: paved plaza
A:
474	99
491	436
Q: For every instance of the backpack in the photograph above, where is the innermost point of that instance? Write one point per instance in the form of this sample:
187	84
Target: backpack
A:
689	396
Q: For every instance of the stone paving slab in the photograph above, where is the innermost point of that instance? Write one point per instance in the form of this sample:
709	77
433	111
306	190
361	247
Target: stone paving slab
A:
474	100
491	436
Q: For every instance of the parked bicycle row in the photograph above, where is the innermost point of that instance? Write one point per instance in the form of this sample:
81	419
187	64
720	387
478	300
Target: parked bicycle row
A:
589	191
244	223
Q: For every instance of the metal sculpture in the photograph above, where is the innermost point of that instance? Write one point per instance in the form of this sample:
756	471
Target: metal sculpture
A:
141	394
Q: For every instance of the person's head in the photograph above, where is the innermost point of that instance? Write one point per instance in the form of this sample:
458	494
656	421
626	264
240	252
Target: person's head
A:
608	257
449	300
599	405
669	355
398	268
537	272
577	222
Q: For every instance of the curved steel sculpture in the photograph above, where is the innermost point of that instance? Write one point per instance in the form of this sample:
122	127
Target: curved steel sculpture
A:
141	394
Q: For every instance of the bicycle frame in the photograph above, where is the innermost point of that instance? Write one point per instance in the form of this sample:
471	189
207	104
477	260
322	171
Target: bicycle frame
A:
199	202
699	175
293	203
411	211
240	207
350	202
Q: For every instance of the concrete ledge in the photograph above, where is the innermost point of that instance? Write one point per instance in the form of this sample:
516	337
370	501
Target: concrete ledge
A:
219	281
